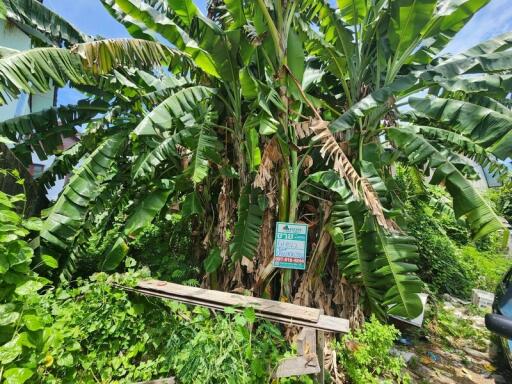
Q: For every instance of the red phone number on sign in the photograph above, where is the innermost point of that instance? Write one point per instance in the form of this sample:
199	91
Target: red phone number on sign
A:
288	260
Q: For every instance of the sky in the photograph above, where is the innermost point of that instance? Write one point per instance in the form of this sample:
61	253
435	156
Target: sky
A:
90	17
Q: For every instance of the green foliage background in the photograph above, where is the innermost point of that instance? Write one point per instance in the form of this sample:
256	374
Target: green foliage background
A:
449	261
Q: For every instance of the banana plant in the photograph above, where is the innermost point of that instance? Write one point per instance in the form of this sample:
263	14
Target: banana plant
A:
274	110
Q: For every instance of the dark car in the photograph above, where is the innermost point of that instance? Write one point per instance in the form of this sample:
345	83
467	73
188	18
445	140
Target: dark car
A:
500	321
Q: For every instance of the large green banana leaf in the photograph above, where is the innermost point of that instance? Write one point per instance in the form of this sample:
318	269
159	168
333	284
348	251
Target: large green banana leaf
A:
38	21
153	20
248	227
394	253
206	147
44	130
164	151
39	70
174	107
378	261
62	165
467	201
146	210
486	127
448	18
493	55
68	214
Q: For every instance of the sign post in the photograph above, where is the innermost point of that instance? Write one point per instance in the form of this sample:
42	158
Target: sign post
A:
290	246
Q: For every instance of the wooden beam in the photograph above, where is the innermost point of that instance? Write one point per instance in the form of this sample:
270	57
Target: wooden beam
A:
297	366
320	345
333	324
231	299
324	323
320	352
306	342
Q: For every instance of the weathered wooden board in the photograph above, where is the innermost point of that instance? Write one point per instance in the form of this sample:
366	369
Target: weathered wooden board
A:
306	342
333	324
324	323
279	308
297	366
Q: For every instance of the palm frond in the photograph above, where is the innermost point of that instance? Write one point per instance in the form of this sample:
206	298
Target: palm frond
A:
67	216
38	21
248	227
174	107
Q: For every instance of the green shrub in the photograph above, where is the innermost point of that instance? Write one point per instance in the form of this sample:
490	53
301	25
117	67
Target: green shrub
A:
131	339
449	261
365	355
165	248
24	322
489	267
502	199
94	332
440	263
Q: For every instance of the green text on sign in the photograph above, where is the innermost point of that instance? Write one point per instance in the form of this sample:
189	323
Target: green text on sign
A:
290	246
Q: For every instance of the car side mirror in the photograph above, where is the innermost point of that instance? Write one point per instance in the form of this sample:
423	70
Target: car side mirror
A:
499	325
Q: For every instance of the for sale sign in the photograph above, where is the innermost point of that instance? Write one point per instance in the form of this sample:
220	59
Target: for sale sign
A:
290	246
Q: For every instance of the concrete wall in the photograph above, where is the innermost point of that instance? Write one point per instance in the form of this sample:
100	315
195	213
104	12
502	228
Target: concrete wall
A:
12	37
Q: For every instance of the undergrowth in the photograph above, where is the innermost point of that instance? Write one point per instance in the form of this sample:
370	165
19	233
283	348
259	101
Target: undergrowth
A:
91	331
449	260
366	358
455	331
94	332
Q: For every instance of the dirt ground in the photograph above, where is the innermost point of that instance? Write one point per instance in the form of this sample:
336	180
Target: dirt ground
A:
454	348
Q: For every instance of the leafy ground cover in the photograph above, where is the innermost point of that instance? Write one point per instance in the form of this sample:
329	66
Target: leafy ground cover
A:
94	332
366	357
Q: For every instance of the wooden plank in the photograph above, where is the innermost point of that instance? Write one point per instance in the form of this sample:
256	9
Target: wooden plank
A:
320	345
297	366
325	323
333	324
266	316
306	342
231	299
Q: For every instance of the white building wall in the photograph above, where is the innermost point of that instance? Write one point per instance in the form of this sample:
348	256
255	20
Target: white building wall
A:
12	37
